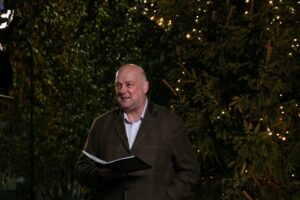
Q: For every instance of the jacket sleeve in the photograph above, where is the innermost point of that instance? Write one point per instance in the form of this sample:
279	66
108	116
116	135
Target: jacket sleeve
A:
86	171
185	164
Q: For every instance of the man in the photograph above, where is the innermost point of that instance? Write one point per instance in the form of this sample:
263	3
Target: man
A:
152	133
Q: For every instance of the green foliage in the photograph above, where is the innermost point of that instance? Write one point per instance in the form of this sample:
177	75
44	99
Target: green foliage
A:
234	78
73	49
236	88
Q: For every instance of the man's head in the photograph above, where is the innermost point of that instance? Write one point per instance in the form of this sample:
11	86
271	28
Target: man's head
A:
131	87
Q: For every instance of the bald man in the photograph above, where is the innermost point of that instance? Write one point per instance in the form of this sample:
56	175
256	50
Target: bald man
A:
142	128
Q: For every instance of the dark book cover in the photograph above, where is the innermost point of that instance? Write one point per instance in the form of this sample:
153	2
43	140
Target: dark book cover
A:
126	164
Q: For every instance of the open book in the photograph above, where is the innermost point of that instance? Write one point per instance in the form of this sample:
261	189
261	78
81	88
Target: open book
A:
126	164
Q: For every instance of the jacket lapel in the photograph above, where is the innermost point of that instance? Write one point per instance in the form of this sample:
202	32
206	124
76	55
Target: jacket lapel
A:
118	123
147	124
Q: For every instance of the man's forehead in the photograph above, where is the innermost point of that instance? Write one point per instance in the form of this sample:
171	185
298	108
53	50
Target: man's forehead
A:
130	70
125	76
125	81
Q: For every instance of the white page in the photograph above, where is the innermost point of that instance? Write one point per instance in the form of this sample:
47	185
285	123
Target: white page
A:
94	158
98	160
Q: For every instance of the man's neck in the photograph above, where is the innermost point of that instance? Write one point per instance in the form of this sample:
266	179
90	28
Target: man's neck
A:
132	117
135	115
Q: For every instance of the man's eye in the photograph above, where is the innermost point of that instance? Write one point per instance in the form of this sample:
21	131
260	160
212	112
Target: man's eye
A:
129	85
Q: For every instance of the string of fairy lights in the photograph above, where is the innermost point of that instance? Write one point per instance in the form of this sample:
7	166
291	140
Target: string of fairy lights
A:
197	34
150	10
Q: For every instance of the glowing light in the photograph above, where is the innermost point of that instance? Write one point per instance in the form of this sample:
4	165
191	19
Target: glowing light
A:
188	36
160	21
270	133
292	10
7	17
2	47
7	14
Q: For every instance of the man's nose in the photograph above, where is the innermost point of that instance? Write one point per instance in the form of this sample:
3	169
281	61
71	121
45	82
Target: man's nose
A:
122	89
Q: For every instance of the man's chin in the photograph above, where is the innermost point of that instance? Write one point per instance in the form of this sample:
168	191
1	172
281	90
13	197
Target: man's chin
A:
124	107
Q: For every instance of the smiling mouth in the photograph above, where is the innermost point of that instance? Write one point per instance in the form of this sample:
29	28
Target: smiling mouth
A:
124	98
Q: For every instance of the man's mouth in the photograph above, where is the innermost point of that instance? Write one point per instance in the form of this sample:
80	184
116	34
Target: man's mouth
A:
124	98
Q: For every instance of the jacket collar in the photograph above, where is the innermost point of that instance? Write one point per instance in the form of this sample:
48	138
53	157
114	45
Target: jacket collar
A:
146	125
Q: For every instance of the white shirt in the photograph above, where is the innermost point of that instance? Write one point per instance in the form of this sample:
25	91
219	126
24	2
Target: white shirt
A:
132	128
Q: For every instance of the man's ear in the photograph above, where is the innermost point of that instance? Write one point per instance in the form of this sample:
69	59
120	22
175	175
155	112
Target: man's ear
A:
146	87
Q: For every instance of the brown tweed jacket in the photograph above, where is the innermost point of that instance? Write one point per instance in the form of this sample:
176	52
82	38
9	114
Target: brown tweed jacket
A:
161	142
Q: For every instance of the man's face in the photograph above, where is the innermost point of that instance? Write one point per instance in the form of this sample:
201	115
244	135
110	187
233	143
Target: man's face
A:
131	89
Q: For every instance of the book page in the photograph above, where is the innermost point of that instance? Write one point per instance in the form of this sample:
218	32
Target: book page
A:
126	164
94	158
98	160
124	158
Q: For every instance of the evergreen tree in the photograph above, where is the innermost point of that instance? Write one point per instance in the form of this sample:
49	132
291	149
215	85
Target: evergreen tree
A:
235	85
